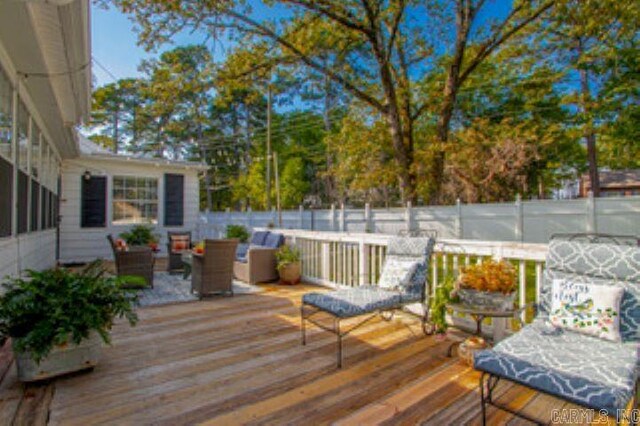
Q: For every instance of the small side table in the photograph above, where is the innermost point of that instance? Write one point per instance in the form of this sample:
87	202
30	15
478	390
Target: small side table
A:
187	260
478	313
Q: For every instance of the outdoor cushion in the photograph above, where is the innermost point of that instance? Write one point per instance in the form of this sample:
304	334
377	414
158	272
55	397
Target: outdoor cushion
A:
587	308
259	237
241	252
600	264
351	302
180	243
397	273
274	240
582	369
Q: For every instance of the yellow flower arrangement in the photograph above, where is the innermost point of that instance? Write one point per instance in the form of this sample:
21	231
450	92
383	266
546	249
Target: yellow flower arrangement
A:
490	275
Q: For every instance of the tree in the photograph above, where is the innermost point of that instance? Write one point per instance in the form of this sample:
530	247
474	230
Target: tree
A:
373	49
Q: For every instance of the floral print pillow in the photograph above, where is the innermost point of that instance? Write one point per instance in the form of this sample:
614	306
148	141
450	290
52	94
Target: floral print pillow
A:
587	308
397	273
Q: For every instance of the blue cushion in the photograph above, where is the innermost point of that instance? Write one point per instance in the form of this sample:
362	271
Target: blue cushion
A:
274	240
259	237
241	252
351	302
582	369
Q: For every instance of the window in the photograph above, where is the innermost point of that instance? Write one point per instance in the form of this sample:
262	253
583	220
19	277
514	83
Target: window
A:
135	200
35	150
23	132
6	98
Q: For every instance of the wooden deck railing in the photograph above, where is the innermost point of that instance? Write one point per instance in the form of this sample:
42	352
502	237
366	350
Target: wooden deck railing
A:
349	259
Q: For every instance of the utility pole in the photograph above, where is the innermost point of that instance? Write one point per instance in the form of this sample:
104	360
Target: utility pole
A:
275	169
269	144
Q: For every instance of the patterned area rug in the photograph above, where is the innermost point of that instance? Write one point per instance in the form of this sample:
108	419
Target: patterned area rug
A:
171	288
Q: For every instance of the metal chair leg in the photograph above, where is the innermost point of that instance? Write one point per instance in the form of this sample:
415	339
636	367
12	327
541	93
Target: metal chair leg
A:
339	343
482	401
304	334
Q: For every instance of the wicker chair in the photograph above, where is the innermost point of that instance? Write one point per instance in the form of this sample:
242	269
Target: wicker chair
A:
212	272
174	257
137	261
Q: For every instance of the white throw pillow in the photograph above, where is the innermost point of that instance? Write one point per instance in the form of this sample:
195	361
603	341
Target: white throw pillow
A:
397	273
587	308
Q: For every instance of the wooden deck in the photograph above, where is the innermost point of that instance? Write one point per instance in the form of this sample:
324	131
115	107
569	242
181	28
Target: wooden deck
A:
239	360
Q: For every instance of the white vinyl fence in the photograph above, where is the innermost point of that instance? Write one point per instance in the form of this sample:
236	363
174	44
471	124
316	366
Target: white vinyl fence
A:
521	221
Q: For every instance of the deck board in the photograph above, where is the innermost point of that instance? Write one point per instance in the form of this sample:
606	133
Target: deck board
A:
239	360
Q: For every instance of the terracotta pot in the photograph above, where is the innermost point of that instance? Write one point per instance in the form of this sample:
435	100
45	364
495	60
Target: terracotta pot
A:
290	273
62	359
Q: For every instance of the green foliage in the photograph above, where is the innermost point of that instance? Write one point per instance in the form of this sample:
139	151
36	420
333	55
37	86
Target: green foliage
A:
57	306
239	232
287	255
140	235
438	309
294	183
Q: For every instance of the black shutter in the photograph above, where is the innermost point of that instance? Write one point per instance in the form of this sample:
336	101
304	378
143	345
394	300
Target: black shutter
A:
93	208
35	204
173	200
23	202
51	209
6	197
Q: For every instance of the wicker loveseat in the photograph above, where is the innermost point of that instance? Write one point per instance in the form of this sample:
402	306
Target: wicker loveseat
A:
256	262
135	261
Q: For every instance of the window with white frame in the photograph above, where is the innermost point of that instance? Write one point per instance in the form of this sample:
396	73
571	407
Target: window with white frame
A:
135	200
6	111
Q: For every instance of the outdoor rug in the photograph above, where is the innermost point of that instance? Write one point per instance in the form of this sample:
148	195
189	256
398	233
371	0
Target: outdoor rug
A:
171	288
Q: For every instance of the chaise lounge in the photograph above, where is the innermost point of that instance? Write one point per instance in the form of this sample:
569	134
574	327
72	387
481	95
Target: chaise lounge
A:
403	282
571	350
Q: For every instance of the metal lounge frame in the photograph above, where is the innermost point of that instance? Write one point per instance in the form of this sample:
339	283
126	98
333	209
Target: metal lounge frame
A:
489	381
307	311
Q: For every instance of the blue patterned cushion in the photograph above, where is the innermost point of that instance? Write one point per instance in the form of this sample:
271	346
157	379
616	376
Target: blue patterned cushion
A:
259	237
274	240
351	302
586	370
597	263
397	273
241	252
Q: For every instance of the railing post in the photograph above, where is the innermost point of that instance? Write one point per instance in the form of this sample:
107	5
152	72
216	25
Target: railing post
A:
332	218
363	263
301	217
519	219
591	224
408	217
343	219
326	261
367	218
459	230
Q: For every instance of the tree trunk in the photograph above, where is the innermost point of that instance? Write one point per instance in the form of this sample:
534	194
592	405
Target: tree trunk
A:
329	181
116	129
589	134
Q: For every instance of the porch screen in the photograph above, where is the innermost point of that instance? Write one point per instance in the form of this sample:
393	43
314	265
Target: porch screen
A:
94	202
35	205
173	200
23	202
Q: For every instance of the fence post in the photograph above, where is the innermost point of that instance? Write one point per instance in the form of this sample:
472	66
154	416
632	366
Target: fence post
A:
332	218
591	224
343	219
249	218
274	218
363	263
459	230
408	217
367	218
519	219
301	217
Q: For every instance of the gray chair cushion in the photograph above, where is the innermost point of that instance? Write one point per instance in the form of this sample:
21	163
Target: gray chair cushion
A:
241	252
582	369
258	238
351	302
274	240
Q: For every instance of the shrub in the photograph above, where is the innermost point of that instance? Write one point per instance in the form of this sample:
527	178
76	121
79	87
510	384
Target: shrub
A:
140	235
239	232
57	306
286	255
438	310
490	275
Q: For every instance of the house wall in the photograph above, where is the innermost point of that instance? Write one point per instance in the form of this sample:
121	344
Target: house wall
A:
86	244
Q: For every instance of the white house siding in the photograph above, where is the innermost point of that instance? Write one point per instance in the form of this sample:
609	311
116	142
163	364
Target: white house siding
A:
37	250
85	244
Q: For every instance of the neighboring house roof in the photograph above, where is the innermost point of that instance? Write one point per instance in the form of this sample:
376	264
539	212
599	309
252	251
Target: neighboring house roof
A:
616	179
49	46
91	150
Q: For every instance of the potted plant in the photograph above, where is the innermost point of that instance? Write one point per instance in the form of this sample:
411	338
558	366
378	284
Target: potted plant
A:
289	267
239	232
58	319
141	235
490	284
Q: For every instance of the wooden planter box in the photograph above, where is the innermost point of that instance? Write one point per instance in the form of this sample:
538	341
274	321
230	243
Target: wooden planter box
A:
290	274
61	360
